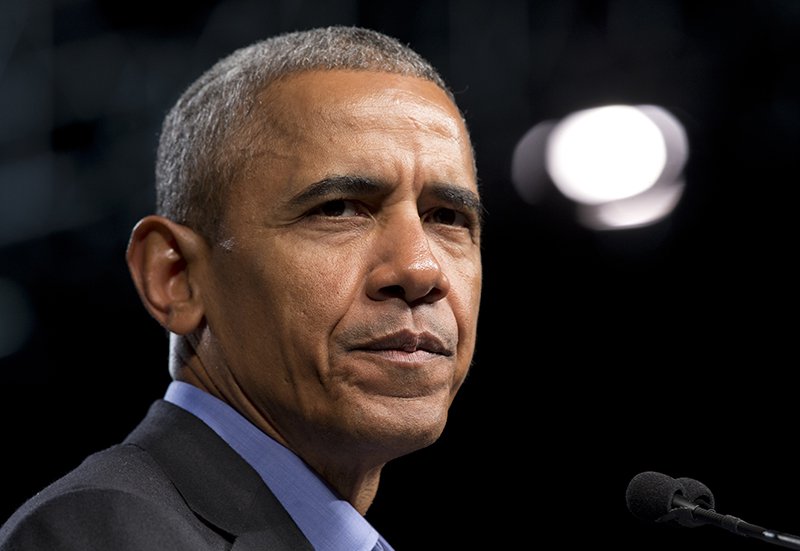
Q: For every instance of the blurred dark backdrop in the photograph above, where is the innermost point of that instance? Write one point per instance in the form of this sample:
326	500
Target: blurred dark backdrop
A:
601	355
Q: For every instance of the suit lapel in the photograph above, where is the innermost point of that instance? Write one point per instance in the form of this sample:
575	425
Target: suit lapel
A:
215	481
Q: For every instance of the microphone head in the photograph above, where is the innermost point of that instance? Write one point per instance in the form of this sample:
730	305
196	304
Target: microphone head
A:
649	495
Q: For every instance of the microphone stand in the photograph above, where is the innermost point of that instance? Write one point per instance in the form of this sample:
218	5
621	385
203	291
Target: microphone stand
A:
686	510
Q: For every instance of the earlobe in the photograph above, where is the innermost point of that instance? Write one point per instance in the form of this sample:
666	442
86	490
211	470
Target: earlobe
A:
165	261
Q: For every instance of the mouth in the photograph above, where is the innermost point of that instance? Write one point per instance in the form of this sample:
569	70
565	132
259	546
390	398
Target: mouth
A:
403	363
408	342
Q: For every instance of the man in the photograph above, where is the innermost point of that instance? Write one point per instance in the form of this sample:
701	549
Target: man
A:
316	261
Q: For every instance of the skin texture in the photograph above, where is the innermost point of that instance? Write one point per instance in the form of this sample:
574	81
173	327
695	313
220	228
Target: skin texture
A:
339	308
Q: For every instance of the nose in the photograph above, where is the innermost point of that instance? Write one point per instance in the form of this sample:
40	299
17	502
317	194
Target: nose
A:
407	267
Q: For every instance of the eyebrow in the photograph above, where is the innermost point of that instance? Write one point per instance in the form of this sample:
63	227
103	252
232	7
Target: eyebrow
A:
458	196
360	185
337	186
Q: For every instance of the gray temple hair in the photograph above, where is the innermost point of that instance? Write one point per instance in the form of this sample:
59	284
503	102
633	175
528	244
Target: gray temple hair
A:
200	150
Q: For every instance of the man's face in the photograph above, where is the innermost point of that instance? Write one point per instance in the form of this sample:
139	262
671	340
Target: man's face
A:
344	295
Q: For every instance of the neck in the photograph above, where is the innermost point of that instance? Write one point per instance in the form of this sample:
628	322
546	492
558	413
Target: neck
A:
358	489
354	480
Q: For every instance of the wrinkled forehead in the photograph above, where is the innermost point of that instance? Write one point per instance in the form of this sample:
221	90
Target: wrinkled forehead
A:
302	103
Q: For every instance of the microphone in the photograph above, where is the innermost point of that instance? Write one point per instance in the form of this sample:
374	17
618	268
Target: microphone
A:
656	497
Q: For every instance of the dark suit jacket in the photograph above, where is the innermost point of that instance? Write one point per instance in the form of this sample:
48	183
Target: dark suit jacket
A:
173	484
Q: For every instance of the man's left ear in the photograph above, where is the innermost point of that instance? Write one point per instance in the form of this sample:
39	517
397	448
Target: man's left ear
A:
165	260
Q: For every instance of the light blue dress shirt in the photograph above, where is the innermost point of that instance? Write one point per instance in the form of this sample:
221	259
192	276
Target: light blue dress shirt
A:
329	522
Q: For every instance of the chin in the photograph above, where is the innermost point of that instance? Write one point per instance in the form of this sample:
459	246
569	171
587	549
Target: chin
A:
406	428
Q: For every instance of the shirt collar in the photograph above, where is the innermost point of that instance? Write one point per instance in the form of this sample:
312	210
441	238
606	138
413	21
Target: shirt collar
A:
329	522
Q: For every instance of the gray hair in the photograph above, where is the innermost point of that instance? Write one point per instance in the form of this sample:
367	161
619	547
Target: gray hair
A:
199	153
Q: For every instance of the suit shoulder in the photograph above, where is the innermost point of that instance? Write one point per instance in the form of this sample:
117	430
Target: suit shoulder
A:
116	499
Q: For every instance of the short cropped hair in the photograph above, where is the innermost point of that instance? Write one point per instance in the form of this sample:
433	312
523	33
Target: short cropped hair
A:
199	154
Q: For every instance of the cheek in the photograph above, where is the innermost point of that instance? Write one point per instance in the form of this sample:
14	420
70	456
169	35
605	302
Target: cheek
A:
465	298
466	283
316	288
284	304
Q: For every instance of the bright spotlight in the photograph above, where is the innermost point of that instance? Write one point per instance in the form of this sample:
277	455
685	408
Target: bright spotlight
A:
621	164
605	154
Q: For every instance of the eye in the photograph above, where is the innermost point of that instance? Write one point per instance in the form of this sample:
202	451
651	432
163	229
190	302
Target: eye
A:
450	217
337	208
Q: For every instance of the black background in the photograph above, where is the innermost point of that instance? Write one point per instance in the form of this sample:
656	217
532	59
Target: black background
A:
601	355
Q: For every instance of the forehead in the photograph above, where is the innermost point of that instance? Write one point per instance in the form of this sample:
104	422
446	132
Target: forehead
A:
320	124
302	104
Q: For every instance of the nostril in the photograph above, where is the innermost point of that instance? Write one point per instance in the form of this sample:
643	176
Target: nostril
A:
393	291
